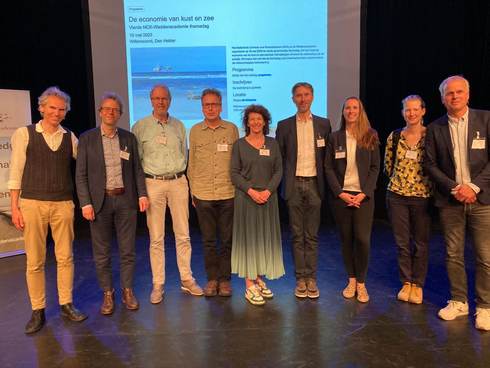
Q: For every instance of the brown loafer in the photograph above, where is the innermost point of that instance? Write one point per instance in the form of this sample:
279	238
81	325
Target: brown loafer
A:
211	288
300	290
107	306
129	299
312	289
225	288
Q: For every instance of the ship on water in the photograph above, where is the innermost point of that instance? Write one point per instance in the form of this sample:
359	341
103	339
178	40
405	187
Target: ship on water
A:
159	69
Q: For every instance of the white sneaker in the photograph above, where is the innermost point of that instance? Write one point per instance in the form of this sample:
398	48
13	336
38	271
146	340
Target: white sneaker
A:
482	319
453	309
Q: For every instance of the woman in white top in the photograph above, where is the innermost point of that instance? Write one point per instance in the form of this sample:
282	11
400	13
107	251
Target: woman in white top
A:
352	165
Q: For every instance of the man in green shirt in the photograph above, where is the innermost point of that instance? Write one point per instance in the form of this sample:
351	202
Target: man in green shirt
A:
212	191
162	148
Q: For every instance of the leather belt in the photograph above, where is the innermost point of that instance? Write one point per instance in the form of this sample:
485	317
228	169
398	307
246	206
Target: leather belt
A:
305	178
114	192
165	177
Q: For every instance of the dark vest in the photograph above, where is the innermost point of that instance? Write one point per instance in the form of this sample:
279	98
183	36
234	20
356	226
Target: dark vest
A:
47	173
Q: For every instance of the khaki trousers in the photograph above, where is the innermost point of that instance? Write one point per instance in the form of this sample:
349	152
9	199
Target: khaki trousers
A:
175	194
38	215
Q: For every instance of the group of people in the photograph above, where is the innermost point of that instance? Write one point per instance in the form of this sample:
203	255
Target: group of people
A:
234	184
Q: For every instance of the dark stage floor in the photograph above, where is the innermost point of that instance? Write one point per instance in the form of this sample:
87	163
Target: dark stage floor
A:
185	331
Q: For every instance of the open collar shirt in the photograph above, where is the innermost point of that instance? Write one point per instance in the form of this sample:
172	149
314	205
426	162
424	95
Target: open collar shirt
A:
209	160
162	146
458	128
306	163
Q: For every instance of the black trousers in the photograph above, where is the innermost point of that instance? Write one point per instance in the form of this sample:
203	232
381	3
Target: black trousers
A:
304	209
410	221
115	213
354	226
216	218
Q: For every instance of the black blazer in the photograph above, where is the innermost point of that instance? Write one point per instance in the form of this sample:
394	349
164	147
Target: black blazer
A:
91	174
367	161
287	138
439	157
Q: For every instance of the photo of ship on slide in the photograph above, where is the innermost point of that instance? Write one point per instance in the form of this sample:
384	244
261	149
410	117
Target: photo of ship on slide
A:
187	71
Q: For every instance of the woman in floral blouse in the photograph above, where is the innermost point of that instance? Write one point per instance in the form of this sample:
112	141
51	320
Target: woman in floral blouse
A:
407	199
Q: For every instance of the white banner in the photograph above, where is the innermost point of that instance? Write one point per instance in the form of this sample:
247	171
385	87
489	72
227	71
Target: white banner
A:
15	111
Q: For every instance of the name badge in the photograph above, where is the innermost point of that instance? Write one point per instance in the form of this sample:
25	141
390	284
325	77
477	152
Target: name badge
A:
320	142
124	155
478	143
339	154
161	139
411	155
222	147
264	152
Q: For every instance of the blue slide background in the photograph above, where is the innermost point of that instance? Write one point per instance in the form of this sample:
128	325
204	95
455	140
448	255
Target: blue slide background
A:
190	46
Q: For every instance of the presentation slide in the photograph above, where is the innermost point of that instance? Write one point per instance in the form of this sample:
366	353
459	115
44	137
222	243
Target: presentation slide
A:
251	51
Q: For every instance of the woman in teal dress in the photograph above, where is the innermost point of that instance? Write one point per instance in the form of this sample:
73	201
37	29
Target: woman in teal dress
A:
256	171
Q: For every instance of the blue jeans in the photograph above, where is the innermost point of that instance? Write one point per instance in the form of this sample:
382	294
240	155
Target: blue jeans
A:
454	219
304	208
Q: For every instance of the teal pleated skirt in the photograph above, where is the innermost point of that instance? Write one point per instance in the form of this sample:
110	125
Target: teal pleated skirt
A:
257	246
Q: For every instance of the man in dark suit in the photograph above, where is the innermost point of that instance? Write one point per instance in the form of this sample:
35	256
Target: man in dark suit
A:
111	187
457	160
302	139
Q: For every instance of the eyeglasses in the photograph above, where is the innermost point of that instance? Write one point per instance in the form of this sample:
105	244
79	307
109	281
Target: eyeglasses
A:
213	105
115	110
160	98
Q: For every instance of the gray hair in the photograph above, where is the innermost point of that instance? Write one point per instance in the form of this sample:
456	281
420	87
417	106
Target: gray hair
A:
442	86
54	91
302	84
112	96
161	86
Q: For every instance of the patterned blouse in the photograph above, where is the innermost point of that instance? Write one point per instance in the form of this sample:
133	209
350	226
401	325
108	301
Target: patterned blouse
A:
407	176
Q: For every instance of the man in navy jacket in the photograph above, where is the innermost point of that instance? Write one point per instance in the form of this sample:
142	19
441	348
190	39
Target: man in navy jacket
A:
302	139
111	188
457	161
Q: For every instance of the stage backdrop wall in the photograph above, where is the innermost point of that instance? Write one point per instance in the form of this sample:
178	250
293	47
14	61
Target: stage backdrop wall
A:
15	111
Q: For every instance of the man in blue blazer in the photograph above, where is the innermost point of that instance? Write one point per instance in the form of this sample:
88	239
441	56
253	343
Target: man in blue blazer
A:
302	139
457	160
111	188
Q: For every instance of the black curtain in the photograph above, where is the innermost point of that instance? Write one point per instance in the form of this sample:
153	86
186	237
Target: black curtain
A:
409	47
47	43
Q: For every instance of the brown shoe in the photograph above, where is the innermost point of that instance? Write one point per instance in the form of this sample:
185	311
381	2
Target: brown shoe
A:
191	287
129	299
312	289
404	292
156	294
416	295
225	288
107	306
300	290
211	288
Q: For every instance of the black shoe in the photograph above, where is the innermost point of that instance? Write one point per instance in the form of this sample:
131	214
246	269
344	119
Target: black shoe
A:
36	322
73	314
